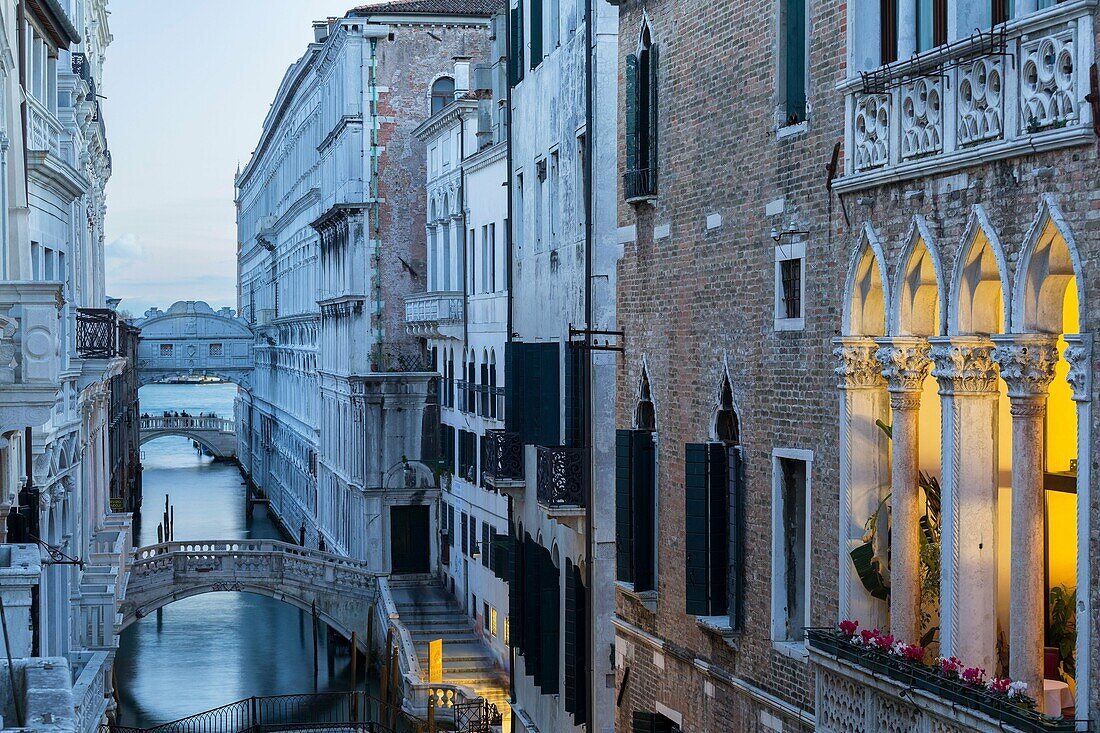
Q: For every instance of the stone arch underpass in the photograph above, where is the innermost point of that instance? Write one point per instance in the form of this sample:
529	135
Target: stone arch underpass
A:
343	589
215	434
191	339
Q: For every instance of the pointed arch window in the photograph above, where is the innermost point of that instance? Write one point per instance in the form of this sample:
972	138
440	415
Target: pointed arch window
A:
636	497
640	179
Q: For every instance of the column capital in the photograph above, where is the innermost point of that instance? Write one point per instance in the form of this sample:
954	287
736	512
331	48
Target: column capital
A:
1027	363
857	368
905	363
964	365
1079	355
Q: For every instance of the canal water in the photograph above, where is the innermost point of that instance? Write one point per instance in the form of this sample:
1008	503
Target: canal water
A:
210	650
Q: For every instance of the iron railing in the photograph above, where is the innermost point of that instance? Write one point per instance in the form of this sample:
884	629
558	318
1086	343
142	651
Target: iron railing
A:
96	333
559	477
477	716
503	456
640	183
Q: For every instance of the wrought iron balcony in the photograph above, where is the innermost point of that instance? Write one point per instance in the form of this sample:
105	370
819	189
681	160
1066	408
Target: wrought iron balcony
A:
426	313
559	478
502	460
993	95
96	333
640	184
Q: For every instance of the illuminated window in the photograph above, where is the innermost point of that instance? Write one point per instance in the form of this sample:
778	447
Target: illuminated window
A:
507	630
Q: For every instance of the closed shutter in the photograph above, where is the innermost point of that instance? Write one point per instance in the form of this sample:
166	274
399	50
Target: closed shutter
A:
515	594
642	722
486	545
570	618
737	537
653	116
551	625
451	524
515	52
536	33
577	689
718	520
532	607
631	103
465	536
513	387
574	390
624	515
645	501
795	42
532	385
695	528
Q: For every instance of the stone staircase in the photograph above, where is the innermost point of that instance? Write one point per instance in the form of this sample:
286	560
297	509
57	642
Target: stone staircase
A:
428	612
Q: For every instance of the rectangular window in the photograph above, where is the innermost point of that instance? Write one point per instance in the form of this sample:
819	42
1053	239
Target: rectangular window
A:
471	260
474	548
493	287
888	31
215	349
485	616
793	72
553	24
635	508
465	536
644	722
1002	11
540	202
790	286
931	24
486	283
581	176
706	529
451	524
790	544
536	33
553	196
166	349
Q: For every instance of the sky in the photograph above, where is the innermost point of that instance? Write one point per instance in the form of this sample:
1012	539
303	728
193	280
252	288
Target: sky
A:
187	85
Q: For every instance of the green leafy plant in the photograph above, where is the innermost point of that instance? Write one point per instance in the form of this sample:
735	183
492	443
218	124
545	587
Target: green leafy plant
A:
872	567
1062	632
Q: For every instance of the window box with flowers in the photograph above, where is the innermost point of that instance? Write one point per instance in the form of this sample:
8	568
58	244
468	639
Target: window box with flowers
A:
948	679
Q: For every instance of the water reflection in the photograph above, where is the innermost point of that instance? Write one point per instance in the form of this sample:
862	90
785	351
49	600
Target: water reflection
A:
209	650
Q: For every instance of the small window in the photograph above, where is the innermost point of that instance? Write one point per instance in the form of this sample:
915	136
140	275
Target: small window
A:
792	72
790	286
166	349
443	93
492	616
790	553
640	179
932	23
215	349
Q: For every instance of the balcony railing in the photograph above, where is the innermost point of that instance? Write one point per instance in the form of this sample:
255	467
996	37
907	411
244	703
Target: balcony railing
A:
640	183
96	333
503	457
426	312
1020	86
559	477
43	128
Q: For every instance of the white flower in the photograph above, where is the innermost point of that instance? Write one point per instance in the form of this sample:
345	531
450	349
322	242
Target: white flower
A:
1017	689
898	649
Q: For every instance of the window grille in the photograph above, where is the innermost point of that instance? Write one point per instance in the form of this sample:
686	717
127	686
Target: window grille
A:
215	349
791	274
166	349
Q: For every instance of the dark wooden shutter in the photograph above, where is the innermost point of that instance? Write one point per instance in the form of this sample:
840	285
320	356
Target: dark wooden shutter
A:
737	537
888	39
643	722
570	618
644	509
631	121
718	538
513	387
515	52
653	115
795	43
551	625
939	22
580	715
515	594
695	528
486	545
624	514
543	382
465	536
536	33
532	607
574	391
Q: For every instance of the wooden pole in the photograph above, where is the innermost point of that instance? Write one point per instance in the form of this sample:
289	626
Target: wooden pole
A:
431	713
354	677
314	608
370	649
384	701
394	668
172	524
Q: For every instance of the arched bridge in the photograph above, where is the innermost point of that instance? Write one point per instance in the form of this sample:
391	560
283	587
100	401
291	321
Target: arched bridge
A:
192	339
342	589
215	434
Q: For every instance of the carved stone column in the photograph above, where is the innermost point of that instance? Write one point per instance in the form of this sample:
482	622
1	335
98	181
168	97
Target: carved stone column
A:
905	362
967	377
1027	367
864	464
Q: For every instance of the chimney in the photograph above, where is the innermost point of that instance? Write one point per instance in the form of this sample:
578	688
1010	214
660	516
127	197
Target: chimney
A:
320	31
462	75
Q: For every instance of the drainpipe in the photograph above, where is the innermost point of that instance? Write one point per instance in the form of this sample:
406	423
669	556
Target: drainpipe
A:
21	30
508	284
467	266
374	198
589	444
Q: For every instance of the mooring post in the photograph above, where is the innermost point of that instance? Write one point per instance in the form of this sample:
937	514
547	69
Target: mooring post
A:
431	713
314	606
370	648
354	678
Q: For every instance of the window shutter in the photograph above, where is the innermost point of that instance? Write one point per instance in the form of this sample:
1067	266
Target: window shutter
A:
451	524
574	389
543	384
796	60
718	521
653	114
624	515
580	716
570	617
644	504
465	536
551	625
515	58
643	722
536	33
486	545
515	594
532	606
513	387
631	113
737	538
695	530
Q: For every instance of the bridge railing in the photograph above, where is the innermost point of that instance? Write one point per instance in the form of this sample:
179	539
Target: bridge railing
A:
161	422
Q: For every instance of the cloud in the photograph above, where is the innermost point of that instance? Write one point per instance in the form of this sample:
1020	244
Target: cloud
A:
124	247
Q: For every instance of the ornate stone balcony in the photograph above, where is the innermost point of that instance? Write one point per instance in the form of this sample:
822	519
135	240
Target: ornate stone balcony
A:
30	331
994	95
429	315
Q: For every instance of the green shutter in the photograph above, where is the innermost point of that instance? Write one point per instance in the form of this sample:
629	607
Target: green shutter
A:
543	394
515	594
718	521
631	121
643	722
624	514
536	33
644	504
515	36
486	546
570	619
795	43
513	387
532	606
737	538
551	624
653	115
574	390
695	529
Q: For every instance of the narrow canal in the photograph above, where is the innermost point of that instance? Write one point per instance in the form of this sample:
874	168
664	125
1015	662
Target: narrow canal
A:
212	649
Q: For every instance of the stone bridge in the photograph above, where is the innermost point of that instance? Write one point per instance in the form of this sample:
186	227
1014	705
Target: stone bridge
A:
343	589
215	434
192	339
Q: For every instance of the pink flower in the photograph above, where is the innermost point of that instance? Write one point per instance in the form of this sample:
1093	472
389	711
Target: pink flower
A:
999	685
869	636
950	666
848	627
973	675
885	642
912	652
